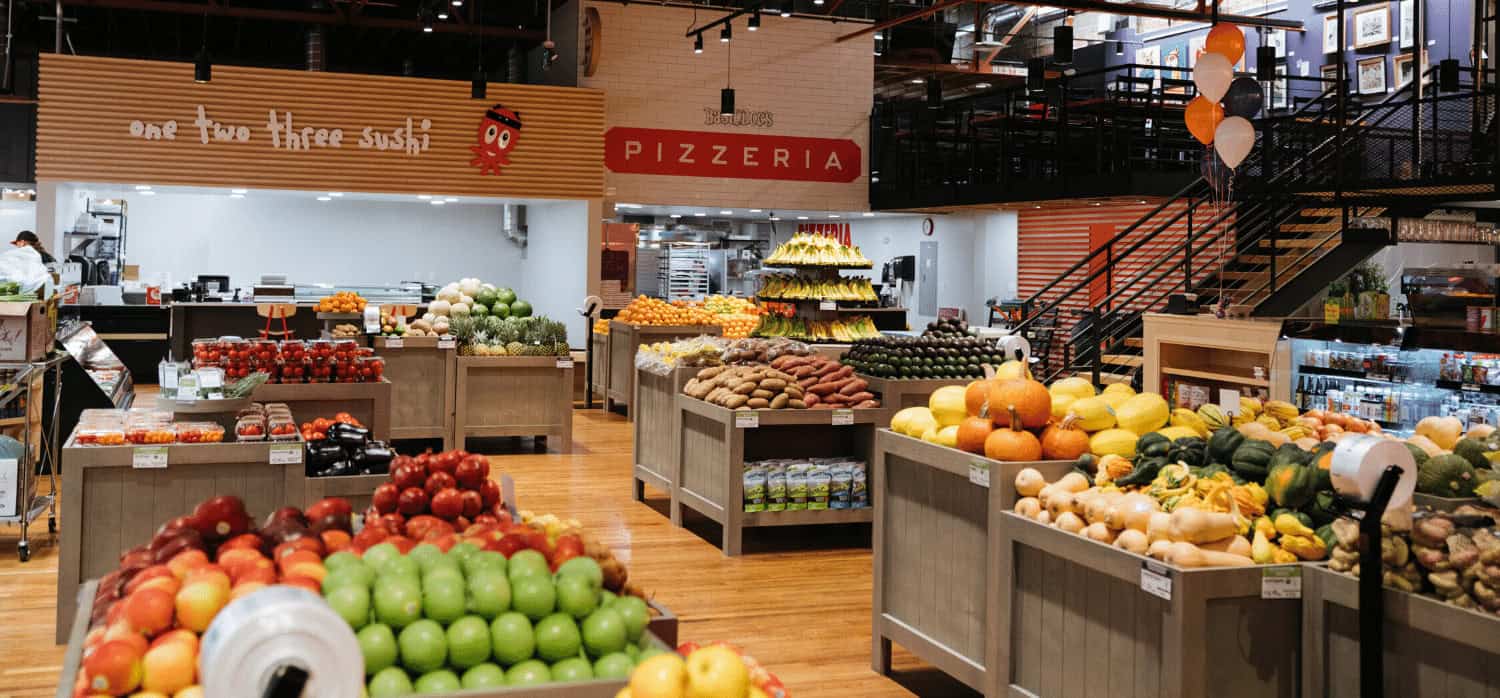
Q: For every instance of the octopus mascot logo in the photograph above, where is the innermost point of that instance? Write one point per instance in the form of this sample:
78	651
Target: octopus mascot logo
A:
498	131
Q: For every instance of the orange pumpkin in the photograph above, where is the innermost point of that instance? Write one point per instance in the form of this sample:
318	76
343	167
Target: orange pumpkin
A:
976	396
972	433
1064	441
1012	444
1026	398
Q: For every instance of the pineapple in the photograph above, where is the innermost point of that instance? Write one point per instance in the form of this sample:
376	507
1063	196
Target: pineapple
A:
463	330
559	336
508	335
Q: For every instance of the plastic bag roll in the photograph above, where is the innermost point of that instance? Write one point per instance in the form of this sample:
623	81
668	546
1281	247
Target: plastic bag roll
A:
1360	459
274	627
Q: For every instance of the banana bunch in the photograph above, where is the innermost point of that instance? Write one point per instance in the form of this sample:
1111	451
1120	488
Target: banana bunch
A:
792	287
858	327
817	250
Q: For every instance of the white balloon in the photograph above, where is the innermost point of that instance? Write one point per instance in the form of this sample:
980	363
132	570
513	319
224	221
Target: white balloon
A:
1234	138
1212	75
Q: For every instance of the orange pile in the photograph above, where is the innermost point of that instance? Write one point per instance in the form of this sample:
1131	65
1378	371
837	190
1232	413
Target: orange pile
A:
341	302
654	311
737	325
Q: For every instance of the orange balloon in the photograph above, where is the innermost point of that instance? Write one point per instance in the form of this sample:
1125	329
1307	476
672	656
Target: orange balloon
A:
1203	117
1226	39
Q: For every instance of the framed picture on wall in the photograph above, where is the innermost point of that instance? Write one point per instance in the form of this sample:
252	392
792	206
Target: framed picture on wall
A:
1195	49
1372	26
1330	75
1408	22
1148	55
1275	38
1405	69
1281	91
1370	76
1174	56
1331	34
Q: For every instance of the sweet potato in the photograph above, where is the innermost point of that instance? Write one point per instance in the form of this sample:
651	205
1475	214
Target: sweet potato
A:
867	404
807	382
855	386
859	396
809	400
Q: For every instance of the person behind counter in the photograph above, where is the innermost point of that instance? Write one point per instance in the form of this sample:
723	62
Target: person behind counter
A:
26	237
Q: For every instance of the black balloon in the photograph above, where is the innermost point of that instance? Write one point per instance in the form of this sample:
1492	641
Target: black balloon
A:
1244	98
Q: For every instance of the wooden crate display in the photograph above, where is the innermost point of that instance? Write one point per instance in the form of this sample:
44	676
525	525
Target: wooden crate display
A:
624	340
422	382
1431	648
1059	596
358	489
657	424
599	368
907	392
831	351
370	403
515	396
932	522
712	452
109	506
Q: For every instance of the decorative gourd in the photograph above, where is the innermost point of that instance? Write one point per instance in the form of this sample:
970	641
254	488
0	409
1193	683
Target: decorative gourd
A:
1153	446
972	433
1289	453
947	436
1159	527
1191	450
1184	417
1236	545
1073	482
1213	417
1111	467
1146	469
1094	413
1223	444
1480	431
1119	442
1022	398
1291	484
1427	445
976	397
1099	505
1074	387
1060	406
1252	459
1189	555
903	421
1029	482
1062	503
1142	413
1473	450
1099	532
947	405
1064	441
1256	430
1118	389
1028	507
1013	443
1418	454
1012	370
1444	431
1283	411
1447	475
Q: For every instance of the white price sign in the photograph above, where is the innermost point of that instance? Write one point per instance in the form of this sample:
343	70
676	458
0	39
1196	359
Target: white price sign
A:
290	454
394	343
149	457
1156	580
447	342
746	419
979	472
843	417
169	376
565	363
211	379
827	305
1281	582
1229	401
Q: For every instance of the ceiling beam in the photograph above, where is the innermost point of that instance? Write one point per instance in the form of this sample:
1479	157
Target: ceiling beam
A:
834	6
306	17
1129	9
1031	13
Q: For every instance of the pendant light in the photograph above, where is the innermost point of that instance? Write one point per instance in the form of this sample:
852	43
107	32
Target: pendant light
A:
203	66
754	24
1265	62
479	83
1062	41
786	8
1036	75
726	33
698	43
1448	67
726	95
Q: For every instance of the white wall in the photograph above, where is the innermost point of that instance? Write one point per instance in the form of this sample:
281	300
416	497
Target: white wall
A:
995	248
557	252
16	216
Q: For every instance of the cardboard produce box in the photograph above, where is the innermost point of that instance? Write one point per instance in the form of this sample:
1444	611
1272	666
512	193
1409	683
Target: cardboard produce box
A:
26	331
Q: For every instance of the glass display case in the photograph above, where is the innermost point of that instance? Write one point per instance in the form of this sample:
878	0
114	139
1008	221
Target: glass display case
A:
108	374
1459	297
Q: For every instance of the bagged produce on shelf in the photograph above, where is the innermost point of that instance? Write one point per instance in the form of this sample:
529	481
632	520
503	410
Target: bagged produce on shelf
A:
659	358
23	267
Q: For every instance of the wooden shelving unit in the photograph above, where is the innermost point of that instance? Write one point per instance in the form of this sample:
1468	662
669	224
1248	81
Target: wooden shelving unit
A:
1217	352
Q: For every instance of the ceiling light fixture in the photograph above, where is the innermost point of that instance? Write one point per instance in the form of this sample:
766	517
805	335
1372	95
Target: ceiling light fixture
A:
143	187
698	44
675	215
1265	62
775	218
868	214
424	197
239	191
335	193
982	86
726	212
436	202
934	92
236	196
148	192
917	81
834	215
442	14
458	3
786	8
325	198
754	24
755	210
450	199
479	82
1062	41
700	214
1036	75
801	218
1119	48
819	3
203	66
726	33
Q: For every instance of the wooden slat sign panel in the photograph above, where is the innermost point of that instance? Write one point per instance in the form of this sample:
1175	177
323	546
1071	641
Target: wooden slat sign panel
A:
147	122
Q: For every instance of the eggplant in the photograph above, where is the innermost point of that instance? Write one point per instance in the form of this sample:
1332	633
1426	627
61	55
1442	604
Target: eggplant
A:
348	435
320	456
376	458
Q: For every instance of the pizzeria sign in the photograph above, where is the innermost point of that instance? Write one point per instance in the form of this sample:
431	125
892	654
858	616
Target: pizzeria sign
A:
676	153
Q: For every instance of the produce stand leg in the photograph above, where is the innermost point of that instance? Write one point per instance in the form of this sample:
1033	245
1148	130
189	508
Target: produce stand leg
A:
54	453
880	645
1314	624
734	497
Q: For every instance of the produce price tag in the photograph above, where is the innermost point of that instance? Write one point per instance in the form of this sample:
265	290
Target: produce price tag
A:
394	343
843	418
169	376
508	494
827	305
1156	580
214	395
746	419
565	363
211	379
1469	388
149	457
1281	583
290	454
1229	401
447	342
979	472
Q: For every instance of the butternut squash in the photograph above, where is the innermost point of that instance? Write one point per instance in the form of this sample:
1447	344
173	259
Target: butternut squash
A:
1099	505
1159	527
1070	522
1132	540
1074	482
1099	532
1133	510
1043	517
1235	544
1061	503
1028	507
1158	549
1199	526
1029	482
1189	555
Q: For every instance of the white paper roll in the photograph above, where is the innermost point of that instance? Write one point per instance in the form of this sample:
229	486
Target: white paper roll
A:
275	627
1015	348
1360	459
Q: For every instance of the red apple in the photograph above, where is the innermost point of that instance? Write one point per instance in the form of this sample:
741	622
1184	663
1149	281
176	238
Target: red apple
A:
369	536
332	521
489	493
170	532
506	545
177	541
329	505
221	518
462	524
472	471
473	503
144	576
135	560
335	540
413	501
409	476
486	520
444	542
438	482
422	459
447	503
286	514
393	524
418	527
282	531
385	497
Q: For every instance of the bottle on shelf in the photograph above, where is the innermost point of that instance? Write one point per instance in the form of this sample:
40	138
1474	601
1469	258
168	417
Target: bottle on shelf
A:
1300	399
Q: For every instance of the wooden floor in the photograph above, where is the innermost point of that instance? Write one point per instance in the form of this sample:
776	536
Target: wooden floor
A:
799	600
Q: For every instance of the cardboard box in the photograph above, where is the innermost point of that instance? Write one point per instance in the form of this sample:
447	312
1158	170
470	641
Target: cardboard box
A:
26	331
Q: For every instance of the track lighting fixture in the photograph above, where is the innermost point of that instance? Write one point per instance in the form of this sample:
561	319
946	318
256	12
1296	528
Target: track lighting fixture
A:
1119	48
1448	75
203	68
479	84
1062	44
726	33
726	100
442	14
698	44
1036	75
754	21
1265	63
786	8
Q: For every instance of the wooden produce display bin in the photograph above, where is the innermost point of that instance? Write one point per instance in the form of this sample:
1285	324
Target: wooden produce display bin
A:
934	561
109	506
370	403
831	351
624	340
514	396
1060	596
1216	353
599	368
1431	648
657	425
900	393
713	449
358	489
421	375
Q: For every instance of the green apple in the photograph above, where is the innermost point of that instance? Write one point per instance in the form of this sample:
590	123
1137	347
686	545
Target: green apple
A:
557	637
341	559
440	681
511	638
351	602
444	572
398	601
350	574
381	553
484	675
443	600
531	672
606	598
573	669
634	652
484	560
532	594
401	567
390	681
462	550
633	611
649	652
576	595
424	647
603	632
424	554
378	646
616	665
468	642
489	593
585	566
526	562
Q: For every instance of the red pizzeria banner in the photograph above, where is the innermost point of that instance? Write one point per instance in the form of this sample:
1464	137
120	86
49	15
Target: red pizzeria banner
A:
739	156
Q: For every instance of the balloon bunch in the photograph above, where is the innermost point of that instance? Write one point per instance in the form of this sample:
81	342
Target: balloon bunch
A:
1225	126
